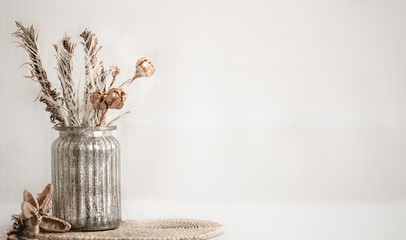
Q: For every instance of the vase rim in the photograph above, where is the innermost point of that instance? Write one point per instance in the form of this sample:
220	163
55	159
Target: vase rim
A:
101	128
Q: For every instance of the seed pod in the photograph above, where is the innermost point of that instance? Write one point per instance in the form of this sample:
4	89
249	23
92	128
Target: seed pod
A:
98	100
115	98
144	68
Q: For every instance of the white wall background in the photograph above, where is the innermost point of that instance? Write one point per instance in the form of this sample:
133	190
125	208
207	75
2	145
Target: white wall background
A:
253	102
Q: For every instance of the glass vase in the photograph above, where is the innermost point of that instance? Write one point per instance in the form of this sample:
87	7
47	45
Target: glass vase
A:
86	177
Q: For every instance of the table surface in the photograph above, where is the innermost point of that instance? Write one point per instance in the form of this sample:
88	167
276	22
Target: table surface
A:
147	229
381	221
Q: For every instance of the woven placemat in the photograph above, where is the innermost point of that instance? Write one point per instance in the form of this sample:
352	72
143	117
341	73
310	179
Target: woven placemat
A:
152	229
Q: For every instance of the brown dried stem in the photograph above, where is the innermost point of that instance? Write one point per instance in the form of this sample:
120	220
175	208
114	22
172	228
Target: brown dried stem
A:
115	72
103	116
117	118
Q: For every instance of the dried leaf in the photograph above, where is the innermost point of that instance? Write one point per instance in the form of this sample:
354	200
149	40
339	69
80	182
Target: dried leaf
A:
45	197
29	198
54	224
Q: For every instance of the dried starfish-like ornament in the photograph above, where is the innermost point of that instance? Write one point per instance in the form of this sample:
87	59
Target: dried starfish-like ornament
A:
35	217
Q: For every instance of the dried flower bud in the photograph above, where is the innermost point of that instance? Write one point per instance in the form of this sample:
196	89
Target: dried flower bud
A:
144	68
97	100
115	98
115	72
95	96
101	105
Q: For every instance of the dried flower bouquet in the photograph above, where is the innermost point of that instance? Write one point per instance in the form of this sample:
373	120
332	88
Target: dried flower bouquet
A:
74	107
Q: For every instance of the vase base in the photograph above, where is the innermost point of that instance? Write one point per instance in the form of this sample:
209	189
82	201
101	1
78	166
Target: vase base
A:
95	227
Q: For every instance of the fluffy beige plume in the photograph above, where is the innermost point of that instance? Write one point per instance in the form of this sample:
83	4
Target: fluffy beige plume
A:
28	37
64	56
92	83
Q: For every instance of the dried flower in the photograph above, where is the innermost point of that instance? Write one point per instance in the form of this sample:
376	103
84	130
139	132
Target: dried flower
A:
115	98
98	101
144	68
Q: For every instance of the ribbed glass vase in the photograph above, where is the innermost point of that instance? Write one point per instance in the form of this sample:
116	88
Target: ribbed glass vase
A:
86	177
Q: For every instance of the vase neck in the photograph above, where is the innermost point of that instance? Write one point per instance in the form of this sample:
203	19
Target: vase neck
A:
86	131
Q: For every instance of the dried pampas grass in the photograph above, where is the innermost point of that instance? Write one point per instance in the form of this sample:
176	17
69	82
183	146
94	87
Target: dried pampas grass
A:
92	66
64	55
28	37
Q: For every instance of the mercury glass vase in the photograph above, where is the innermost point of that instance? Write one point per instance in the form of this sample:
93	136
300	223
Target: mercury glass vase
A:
86	177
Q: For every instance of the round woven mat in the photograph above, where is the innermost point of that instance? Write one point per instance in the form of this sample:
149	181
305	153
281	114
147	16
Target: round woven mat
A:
152	229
